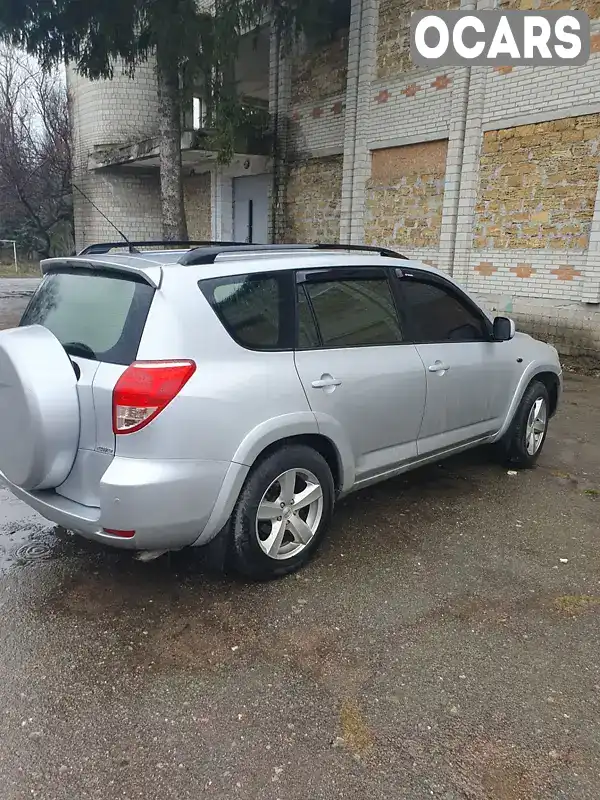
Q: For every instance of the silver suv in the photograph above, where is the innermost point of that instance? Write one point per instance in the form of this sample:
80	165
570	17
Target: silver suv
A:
158	399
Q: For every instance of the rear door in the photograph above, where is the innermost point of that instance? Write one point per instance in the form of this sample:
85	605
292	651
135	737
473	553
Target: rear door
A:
355	366
98	317
470	377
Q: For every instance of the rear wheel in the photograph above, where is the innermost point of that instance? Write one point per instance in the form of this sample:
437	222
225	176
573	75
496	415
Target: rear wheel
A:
526	436
282	513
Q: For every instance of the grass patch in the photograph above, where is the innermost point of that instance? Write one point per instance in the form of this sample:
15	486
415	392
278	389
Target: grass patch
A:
572	603
355	731
26	270
592	492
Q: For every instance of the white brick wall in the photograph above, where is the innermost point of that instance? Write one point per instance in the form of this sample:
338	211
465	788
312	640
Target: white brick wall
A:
543	283
110	112
426	113
311	134
528	90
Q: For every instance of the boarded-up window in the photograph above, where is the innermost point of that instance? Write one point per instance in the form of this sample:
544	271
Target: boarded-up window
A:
537	185
405	195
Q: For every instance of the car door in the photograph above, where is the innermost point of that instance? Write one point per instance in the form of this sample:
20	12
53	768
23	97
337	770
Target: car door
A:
470	377
356	369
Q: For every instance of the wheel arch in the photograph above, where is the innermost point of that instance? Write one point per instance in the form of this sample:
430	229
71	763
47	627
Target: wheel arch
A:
552	383
320	432
317	441
536	372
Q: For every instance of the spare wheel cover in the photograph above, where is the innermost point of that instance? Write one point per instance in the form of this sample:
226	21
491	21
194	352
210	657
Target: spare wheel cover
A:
39	408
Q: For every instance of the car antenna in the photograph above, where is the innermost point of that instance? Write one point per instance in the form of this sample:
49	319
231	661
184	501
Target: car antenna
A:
110	222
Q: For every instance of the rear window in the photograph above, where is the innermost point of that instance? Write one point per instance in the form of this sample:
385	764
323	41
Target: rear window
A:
252	308
93	315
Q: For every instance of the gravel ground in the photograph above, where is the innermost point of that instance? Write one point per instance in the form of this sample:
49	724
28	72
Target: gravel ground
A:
444	643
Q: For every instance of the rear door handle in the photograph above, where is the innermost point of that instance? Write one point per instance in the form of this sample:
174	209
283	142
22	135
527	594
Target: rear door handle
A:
325	382
438	367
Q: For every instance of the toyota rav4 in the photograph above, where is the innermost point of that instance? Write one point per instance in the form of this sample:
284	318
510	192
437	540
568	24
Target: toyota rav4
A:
157	399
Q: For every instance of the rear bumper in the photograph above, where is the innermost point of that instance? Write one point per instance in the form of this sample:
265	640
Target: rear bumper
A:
167	503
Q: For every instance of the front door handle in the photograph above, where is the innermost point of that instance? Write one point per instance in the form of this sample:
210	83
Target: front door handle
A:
438	367
325	382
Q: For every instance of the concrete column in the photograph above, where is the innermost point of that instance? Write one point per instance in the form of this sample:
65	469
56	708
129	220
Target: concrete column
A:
222	203
215	205
469	173
461	79
362	54
591	277
280	92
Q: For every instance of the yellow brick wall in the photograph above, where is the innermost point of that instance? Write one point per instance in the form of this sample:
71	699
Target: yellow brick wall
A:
314	196
405	195
393	33
198	209
321	73
591	7
538	185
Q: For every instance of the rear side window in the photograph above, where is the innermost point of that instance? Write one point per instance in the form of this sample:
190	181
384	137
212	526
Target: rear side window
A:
347	313
93	315
252	308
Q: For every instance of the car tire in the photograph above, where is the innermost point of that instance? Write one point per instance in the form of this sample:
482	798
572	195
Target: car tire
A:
266	544
523	443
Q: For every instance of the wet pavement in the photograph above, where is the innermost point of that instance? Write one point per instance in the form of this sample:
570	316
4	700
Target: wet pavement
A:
444	643
14	296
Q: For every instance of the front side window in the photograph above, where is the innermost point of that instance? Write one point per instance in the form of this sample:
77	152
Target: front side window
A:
251	308
347	313
438	315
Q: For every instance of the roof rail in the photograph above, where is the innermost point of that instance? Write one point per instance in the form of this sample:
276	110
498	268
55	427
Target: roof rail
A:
105	247
208	255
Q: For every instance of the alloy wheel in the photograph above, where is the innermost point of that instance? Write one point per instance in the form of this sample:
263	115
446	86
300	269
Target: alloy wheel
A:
536	426
289	514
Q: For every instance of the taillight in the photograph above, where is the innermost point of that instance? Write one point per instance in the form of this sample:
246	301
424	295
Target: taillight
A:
144	389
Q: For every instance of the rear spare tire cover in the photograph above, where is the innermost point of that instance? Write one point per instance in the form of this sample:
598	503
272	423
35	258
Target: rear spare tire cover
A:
39	408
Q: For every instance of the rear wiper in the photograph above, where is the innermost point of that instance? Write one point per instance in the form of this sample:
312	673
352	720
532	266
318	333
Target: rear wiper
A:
79	349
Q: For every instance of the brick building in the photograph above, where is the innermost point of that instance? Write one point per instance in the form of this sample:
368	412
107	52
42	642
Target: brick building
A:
490	174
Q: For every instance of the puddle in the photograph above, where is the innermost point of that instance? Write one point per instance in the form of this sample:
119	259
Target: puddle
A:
33	551
26	537
18	294
25	544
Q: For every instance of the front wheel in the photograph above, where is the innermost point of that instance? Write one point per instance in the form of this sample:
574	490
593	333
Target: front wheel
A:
282	513
526	436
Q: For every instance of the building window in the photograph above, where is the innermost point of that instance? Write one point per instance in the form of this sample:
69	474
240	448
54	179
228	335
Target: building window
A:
198	114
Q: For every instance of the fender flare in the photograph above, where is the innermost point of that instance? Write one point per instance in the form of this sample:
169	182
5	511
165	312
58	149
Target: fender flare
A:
257	440
533	369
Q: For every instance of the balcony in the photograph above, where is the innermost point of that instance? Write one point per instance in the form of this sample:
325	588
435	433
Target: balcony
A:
252	138
198	141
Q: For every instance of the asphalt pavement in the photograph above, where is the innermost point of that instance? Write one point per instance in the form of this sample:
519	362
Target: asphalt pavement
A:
445	643
14	296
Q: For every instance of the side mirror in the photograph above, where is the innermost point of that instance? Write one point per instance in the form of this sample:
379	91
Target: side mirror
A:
504	329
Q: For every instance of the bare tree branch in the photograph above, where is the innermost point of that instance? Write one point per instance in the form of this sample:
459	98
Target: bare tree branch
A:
35	151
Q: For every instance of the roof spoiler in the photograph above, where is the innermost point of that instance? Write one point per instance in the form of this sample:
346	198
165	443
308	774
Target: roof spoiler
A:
151	275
